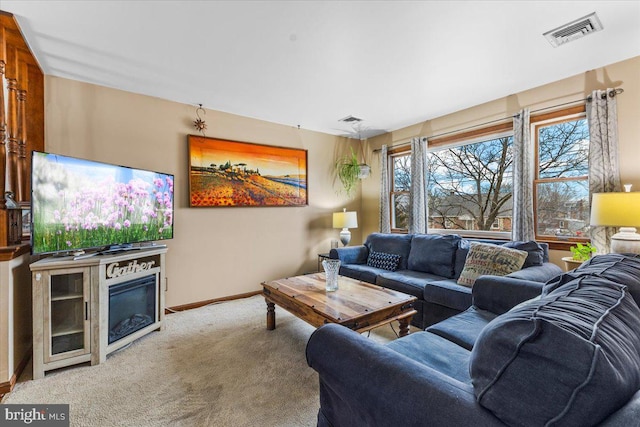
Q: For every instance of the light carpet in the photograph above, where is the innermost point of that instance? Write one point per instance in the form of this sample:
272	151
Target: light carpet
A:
211	366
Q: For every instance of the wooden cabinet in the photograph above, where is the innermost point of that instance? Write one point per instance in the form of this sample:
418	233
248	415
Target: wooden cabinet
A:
21	122
72	301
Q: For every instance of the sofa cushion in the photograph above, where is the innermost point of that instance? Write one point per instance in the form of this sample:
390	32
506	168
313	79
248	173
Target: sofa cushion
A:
383	260
490	259
433	253
463	329
398	244
620	268
569	358
449	294
406	281
435	352
361	272
535	253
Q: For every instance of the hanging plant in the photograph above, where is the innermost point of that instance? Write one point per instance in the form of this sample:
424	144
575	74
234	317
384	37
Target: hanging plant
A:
348	169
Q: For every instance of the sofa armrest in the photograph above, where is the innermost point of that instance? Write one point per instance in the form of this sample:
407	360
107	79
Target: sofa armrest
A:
538	273
350	254
499	294
365	383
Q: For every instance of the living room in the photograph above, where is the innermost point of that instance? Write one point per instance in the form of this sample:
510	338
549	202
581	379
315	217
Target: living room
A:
212	248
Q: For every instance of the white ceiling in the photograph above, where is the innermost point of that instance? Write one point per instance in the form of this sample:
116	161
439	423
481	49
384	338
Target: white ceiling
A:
311	63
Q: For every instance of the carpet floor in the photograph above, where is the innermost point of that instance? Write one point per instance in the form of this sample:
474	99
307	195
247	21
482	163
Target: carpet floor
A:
211	366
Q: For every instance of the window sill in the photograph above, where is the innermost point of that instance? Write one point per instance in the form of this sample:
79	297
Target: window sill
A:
561	245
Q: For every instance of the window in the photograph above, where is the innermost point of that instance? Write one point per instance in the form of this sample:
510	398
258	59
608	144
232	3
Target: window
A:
470	186
470	183
400	184
561	186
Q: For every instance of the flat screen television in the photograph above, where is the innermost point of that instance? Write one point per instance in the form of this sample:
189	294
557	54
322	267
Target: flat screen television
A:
79	204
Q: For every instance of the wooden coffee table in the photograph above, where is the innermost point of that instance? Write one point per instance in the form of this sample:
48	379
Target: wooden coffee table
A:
357	305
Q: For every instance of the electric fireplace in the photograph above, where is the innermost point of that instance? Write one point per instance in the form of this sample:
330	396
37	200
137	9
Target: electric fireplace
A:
132	306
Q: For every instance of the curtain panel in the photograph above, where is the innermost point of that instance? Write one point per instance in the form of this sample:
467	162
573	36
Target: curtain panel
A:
523	227
604	168
385	211
418	212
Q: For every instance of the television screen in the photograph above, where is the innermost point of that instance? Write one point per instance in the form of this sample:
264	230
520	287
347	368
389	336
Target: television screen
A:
81	204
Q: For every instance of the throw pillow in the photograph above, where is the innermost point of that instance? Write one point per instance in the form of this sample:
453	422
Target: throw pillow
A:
491	259
570	358
399	244
383	260
433	253
535	253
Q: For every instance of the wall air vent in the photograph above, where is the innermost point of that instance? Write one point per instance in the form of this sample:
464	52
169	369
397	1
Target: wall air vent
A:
350	119
574	30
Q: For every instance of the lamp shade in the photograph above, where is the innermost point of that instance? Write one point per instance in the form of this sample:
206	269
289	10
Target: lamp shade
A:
615	209
345	220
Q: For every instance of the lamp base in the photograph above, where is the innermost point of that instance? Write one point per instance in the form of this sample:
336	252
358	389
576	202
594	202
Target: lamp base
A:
626	241
345	236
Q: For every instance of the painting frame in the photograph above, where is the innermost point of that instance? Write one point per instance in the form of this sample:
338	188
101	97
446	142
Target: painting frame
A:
228	173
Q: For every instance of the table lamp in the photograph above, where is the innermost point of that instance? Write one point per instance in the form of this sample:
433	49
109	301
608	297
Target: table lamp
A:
618	210
345	220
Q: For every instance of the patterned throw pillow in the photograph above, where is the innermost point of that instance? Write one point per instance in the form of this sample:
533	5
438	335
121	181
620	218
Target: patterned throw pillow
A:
491	259
384	261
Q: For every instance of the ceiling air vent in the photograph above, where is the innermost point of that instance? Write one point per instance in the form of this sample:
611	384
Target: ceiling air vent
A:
350	119
574	30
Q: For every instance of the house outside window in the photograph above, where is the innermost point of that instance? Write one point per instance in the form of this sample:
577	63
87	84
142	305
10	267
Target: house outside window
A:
470	181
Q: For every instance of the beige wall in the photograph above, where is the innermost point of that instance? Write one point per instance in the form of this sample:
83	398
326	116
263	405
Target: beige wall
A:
216	252
219	252
625	75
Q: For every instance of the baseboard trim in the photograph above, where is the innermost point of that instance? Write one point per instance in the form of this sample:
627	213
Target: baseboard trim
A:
198	304
7	386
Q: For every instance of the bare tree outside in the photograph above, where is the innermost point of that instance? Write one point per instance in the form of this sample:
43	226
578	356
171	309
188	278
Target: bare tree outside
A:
562	185
470	186
400	191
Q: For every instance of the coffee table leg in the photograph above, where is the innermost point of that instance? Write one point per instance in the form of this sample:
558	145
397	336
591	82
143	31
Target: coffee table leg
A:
404	326
271	316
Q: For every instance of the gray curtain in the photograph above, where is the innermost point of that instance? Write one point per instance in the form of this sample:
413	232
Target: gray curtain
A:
418	212
385	211
604	169
523	227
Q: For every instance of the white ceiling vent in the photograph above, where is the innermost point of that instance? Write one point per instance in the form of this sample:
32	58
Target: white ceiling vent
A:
350	119
574	30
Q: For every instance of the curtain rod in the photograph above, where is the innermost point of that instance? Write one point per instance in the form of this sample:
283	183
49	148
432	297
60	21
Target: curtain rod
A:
611	93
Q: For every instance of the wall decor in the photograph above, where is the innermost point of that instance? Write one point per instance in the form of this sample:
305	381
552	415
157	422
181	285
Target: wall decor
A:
234	173
198	123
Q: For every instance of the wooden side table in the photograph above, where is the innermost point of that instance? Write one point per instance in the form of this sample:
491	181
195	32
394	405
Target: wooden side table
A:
322	257
571	263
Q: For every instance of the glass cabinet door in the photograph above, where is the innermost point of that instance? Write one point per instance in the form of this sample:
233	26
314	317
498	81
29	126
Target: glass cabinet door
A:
68	314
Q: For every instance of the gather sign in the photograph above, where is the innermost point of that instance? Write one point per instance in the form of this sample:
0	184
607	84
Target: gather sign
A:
114	269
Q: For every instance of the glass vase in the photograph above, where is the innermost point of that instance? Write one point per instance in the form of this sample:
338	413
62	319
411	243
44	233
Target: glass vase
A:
331	270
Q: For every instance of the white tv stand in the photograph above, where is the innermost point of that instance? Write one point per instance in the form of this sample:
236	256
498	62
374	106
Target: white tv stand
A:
71	304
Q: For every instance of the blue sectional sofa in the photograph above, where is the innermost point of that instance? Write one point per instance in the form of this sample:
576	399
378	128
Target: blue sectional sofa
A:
429	267
564	353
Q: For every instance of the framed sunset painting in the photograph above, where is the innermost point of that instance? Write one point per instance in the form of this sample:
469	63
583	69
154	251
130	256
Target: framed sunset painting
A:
232	173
